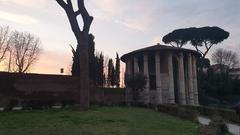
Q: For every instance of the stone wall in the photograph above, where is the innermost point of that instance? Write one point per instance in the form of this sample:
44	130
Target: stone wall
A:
50	89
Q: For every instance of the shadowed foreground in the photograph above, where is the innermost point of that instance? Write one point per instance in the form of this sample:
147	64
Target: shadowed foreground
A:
96	121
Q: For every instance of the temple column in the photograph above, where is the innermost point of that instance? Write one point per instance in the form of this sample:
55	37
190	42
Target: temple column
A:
190	81
195	86
158	79
181	80
146	74
171	80
135	65
128	67
128	73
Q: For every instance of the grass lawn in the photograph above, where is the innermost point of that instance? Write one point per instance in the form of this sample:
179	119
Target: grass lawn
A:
96	121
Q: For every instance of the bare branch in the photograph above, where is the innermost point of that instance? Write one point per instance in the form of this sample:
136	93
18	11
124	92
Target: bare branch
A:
87	19
62	4
70	6
225	57
208	47
72	17
171	44
25	51
4	41
198	50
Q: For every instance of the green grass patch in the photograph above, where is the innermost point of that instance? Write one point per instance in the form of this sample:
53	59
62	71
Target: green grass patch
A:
96	121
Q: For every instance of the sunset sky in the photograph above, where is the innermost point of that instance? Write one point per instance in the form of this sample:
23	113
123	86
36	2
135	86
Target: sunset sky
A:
119	25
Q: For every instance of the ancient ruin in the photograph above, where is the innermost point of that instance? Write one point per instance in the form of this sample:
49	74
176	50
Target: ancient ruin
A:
171	74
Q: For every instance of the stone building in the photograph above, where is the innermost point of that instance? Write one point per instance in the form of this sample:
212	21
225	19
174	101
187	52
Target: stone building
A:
171	74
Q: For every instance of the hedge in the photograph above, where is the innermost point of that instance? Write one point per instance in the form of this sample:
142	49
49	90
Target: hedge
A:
191	112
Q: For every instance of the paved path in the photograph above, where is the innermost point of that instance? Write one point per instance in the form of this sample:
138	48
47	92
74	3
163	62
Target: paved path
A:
233	128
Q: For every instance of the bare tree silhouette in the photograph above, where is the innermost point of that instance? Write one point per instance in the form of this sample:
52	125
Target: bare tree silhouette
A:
82	41
225	58
25	49
4	41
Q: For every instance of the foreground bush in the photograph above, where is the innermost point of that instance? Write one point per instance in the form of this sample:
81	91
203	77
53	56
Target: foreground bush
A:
216	127
191	112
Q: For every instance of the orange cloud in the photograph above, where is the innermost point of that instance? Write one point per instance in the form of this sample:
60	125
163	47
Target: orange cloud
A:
51	62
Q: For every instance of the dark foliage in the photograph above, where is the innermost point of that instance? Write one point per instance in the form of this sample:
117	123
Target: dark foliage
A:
99	70
226	58
179	111
117	71
204	37
111	73
207	37
216	127
76	57
218	88
92	60
191	112
203	63
137	83
178	37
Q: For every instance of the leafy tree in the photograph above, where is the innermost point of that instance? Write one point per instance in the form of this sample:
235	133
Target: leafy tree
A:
225	57
204	37
207	37
76	57
177	38
76	61
99	70
82	37
137	83
25	49
215	88
111	77
117	71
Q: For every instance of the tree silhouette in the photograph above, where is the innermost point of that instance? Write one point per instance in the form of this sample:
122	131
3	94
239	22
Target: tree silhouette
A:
82	43
92	60
111	76
207	37
99	70
137	83
117	71
177	38
76	57
4	41
25	49
225	58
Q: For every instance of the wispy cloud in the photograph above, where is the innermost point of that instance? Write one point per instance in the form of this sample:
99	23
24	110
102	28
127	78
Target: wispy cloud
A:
118	12
17	18
27	3
106	9
132	24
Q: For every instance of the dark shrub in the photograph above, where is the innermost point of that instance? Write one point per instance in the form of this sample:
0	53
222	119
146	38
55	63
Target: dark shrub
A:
216	127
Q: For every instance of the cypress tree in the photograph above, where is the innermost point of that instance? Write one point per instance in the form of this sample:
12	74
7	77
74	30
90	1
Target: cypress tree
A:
117	71
76	58
110	72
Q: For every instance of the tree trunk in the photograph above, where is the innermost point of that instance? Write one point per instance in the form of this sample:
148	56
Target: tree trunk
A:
84	72
83	44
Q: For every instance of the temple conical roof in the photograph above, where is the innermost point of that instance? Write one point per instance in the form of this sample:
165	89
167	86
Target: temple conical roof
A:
158	47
